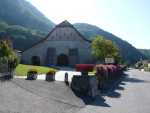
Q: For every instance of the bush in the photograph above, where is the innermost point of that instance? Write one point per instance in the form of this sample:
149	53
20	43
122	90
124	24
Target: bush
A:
111	71
105	73
33	71
8	56
102	70
50	72
102	75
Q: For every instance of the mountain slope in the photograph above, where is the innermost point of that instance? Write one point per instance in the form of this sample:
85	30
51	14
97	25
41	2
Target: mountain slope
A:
21	12
23	23
22	37
146	52
128	52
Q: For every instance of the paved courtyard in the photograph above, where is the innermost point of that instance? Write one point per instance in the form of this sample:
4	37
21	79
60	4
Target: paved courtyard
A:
21	96
131	96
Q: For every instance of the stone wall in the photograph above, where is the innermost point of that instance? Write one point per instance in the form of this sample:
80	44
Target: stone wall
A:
85	85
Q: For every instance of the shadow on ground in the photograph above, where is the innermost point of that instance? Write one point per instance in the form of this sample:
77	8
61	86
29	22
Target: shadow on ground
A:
5	78
116	84
119	85
110	90
97	101
134	80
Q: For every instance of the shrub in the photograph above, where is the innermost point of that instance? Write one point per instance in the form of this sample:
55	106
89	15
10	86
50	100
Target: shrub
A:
102	70
120	69
107	72
33	71
102	74
110	70
113	69
51	72
7	55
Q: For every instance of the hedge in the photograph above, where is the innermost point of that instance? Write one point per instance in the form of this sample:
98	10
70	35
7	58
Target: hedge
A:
105	73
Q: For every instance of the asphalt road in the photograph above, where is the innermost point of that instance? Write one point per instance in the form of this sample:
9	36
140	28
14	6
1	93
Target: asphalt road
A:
131	96
22	96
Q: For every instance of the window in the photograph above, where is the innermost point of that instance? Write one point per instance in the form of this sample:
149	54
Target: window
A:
73	52
35	60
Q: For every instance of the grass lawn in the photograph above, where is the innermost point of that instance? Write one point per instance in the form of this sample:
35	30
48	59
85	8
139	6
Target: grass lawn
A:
22	69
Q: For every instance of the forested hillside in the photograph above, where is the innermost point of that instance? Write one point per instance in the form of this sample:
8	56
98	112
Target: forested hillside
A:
128	52
22	37
21	12
146	52
23	23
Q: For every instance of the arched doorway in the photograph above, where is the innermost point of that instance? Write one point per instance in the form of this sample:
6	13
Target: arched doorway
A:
62	60
35	60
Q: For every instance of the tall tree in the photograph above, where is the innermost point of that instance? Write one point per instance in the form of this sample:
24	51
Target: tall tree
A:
103	48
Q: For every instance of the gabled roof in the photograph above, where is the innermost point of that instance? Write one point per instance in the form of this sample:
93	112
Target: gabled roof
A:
62	24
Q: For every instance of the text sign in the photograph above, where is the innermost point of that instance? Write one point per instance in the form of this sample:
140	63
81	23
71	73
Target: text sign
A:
109	60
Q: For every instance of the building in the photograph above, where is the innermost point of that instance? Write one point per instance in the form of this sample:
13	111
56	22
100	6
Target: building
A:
63	46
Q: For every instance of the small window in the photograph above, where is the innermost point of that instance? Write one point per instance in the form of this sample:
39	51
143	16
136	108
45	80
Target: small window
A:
73	52
35	60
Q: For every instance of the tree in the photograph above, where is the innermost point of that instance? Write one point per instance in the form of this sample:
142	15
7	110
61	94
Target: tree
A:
102	48
7	55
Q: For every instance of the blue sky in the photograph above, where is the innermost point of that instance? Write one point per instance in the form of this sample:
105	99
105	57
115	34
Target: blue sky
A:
127	19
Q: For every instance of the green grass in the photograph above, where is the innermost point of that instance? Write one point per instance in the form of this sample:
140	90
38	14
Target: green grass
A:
22	70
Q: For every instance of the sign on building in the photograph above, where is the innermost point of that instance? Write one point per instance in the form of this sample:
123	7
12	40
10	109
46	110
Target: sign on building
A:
109	60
